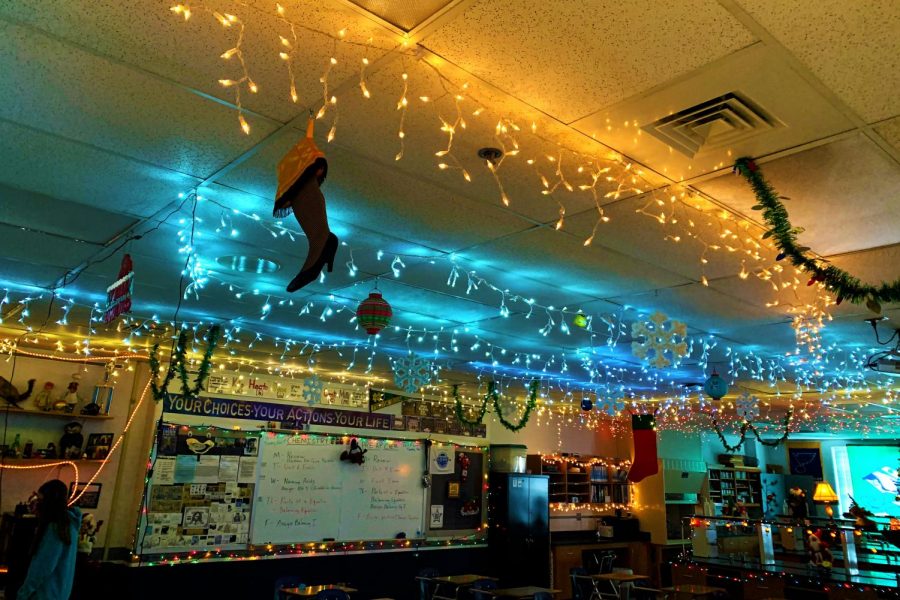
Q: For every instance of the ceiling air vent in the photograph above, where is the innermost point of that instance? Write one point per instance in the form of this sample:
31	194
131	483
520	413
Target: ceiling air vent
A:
723	121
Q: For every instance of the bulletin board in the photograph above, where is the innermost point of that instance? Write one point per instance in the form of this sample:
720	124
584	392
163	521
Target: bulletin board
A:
200	491
457	497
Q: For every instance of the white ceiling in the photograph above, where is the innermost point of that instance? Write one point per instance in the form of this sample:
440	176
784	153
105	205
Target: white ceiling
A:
110	110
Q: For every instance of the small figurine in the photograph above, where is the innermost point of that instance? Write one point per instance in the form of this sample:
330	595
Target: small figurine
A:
71	398
11	394
819	554
88	534
50	452
356	453
796	501
43	399
71	441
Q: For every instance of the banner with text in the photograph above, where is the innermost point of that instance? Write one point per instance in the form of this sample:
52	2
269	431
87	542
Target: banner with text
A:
301	416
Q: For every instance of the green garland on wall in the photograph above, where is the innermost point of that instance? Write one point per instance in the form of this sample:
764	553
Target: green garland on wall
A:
178	364
842	284
494	395
748	426
529	406
460	416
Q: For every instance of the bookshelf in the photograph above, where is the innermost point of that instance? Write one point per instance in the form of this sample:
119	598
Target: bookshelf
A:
580	479
728	485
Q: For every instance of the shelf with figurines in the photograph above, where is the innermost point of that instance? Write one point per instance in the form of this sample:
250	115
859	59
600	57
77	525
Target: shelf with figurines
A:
48	403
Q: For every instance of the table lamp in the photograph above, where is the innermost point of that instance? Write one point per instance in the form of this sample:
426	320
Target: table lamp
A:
825	494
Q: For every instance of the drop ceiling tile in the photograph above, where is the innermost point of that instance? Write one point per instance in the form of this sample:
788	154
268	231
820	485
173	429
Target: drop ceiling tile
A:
67	219
556	258
476	282
405	15
701	308
789	113
890	131
843	194
571	59
66	170
38	248
115	108
634	230
154	39
851	46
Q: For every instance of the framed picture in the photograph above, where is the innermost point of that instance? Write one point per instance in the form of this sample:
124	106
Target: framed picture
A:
805	459
453	490
98	445
91	496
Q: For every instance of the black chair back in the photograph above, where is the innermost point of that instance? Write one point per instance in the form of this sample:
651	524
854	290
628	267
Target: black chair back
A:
482	584
582	588
426	588
332	595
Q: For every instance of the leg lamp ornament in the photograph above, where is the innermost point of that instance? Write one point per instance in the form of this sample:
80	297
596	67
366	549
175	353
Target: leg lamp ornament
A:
300	173
645	462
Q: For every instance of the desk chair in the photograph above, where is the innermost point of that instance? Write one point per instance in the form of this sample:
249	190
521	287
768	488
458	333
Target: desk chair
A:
604	562
482	584
582	585
427	588
332	595
291	581
646	593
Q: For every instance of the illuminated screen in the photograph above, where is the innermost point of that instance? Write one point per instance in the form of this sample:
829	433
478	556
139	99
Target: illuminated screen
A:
873	470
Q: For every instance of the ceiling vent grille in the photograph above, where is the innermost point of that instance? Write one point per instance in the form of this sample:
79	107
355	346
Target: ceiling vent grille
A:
724	121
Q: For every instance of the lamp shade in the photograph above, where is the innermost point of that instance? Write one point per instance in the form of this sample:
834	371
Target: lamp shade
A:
824	493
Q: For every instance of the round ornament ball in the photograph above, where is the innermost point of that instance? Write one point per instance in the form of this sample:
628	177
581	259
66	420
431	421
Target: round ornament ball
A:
586	404
715	386
374	313
580	320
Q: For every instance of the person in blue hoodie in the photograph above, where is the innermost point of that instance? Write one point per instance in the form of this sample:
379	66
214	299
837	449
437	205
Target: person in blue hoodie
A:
52	568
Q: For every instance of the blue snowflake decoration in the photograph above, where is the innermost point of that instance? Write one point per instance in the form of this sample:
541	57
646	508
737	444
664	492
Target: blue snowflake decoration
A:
313	387
412	372
611	407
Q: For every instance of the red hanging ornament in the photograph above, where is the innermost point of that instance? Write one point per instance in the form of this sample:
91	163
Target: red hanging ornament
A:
374	313
463	459
118	295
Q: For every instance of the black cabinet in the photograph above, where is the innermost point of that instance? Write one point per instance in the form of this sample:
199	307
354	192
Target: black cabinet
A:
519	536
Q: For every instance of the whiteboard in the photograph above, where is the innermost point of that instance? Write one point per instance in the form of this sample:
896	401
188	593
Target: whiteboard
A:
305	493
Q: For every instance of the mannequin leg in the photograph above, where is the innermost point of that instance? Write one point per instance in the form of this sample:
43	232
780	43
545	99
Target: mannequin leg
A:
309	210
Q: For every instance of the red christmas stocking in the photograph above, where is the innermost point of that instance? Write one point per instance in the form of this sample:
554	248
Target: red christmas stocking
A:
644	463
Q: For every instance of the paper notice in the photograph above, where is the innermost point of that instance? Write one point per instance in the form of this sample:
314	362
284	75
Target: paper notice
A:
247	470
164	471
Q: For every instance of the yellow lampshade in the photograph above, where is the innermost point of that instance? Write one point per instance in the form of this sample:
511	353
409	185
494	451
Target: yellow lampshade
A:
824	493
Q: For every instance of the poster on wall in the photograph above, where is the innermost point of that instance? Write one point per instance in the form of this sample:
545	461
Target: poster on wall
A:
201	490
805	460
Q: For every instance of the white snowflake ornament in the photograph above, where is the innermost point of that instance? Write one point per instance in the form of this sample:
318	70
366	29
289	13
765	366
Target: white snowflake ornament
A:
659	341
747	407
412	372
611	406
313	387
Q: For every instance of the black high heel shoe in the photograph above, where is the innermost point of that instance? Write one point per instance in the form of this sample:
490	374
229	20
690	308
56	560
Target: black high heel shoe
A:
307	276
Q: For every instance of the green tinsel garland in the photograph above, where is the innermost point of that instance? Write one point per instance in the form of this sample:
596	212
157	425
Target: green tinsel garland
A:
843	285
749	426
529	406
178	363
492	391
